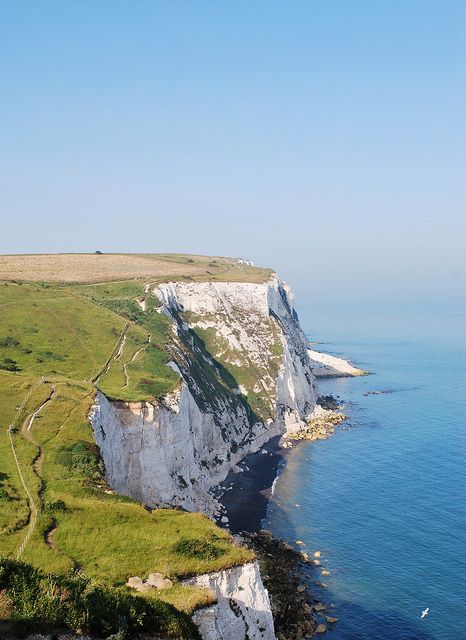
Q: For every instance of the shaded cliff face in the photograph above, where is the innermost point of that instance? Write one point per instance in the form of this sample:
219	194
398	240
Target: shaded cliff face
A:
245	376
242	609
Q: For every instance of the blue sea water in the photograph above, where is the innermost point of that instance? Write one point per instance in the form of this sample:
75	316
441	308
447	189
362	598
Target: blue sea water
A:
384	499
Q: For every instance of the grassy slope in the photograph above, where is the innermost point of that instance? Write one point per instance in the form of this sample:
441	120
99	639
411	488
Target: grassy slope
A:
61	338
140	371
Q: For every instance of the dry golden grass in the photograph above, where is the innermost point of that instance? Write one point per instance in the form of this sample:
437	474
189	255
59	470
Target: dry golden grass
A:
89	268
69	267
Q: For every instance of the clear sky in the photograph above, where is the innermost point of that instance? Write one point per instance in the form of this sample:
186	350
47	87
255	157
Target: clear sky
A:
324	138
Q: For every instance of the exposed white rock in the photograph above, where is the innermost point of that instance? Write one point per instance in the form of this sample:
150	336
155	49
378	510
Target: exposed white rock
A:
158	581
327	366
142	303
135	582
242	609
248	318
172	452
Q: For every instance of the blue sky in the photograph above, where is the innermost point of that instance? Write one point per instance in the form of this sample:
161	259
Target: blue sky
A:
325	138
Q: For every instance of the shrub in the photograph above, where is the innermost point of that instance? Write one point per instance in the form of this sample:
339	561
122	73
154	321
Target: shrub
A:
4	495
198	549
84	459
8	364
50	355
8	341
55	505
37	600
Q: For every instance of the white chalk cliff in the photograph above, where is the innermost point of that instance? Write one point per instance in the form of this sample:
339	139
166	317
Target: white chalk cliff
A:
173	451
326	366
245	377
242	609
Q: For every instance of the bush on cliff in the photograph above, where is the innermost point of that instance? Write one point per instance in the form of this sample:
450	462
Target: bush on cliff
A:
32	599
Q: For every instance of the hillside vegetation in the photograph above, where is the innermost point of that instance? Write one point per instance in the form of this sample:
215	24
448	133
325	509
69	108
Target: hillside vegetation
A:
57	344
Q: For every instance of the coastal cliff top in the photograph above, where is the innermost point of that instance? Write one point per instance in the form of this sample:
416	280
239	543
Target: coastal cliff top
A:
101	267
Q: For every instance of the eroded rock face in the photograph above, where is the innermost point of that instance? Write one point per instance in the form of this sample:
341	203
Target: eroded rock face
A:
243	606
245	376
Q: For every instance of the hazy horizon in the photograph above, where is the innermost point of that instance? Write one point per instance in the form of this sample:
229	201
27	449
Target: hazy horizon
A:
325	140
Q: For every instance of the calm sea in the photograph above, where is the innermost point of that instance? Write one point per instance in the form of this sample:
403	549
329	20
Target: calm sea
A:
385	499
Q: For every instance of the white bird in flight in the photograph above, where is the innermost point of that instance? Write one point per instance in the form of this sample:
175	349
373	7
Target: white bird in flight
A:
425	612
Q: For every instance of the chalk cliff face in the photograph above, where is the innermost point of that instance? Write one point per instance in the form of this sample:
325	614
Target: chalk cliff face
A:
326	366
245	376
242	609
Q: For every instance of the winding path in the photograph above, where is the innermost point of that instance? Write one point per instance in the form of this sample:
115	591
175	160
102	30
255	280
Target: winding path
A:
34	502
117	350
25	432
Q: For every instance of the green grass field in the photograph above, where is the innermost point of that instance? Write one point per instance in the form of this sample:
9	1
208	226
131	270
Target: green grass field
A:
57	343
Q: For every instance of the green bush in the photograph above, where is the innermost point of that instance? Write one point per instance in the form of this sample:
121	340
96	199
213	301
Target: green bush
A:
8	364
54	506
83	458
8	341
39	601
50	355
198	549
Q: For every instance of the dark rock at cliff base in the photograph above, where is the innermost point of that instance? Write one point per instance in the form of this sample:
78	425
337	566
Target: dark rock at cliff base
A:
248	493
284	572
329	402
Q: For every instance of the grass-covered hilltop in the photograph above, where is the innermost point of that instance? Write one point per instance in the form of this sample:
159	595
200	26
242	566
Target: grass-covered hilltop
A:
72	324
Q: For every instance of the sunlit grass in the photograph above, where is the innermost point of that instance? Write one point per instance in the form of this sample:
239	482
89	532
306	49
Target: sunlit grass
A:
60	338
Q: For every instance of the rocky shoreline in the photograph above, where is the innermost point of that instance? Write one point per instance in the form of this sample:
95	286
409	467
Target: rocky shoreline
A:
286	574
245	493
326	416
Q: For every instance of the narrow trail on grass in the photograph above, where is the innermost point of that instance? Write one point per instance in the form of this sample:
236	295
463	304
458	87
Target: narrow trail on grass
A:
38	410
135	355
120	348
49	534
144	346
34	503
118	357
117	350
23	404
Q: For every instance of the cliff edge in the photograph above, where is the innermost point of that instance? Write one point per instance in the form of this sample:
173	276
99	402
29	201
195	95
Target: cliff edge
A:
244	377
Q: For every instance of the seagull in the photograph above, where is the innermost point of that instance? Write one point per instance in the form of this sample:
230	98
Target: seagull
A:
425	612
